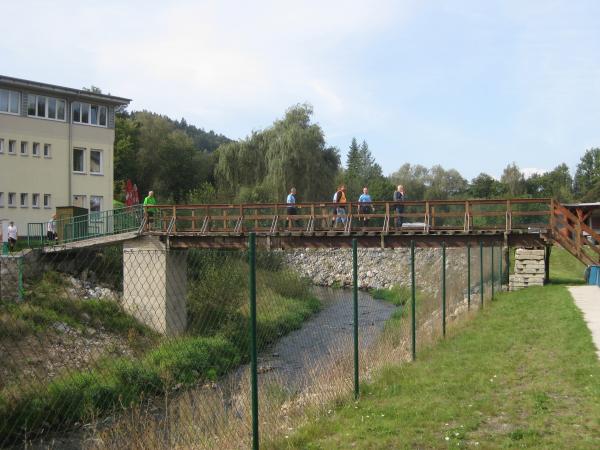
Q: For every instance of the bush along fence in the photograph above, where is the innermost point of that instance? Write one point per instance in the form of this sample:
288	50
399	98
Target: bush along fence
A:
137	346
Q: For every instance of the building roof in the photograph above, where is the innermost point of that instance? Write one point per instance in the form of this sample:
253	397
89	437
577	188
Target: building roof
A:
76	93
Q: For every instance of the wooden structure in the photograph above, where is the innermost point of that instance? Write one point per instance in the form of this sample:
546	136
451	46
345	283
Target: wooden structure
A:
514	222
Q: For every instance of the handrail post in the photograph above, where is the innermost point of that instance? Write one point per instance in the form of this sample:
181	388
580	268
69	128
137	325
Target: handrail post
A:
426	217
174	218
492	269
508	224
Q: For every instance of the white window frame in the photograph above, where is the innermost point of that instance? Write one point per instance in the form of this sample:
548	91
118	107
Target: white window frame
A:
1	199
1	145
34	152
82	159
35	200
45	116
12	146
49	147
12	199
26	146
10	95
24	195
88	107
47	201
101	197
101	172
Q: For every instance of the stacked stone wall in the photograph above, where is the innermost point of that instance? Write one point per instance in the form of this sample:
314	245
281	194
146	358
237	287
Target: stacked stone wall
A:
530	269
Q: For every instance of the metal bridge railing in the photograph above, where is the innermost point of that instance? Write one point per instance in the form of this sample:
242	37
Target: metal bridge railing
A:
92	225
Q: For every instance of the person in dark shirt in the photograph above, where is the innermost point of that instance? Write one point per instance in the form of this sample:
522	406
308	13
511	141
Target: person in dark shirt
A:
399	197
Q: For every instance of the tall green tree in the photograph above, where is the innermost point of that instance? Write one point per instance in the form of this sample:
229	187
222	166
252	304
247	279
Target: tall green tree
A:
558	184
292	152
588	172
415	180
484	186
513	180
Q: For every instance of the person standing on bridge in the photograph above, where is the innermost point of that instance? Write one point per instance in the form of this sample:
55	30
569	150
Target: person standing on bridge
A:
149	202
365	206
398	199
51	229
291	207
340	200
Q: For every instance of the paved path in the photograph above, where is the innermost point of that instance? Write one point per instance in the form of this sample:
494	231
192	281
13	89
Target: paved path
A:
587	298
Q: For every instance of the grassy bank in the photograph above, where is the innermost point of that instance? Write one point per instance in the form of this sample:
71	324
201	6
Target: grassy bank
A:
216	341
523	374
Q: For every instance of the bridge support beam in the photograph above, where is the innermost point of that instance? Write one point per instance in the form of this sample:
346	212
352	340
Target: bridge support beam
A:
530	268
155	285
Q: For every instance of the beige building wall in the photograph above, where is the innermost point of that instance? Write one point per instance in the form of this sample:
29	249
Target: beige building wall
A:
33	174
42	175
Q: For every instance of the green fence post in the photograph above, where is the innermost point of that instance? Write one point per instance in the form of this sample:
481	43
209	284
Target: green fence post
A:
444	289
469	277
501	275
492	270
253	356
355	307
414	300
20	279
481	272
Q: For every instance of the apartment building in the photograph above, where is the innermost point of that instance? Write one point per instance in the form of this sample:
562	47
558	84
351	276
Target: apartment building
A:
56	149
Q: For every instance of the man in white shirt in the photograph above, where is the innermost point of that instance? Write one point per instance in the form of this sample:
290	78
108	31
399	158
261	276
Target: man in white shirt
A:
12	236
51	229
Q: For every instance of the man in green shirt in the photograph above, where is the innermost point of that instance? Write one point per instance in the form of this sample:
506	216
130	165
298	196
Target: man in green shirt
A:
149	201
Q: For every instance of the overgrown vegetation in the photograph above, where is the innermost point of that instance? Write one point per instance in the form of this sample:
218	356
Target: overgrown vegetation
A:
216	341
523	374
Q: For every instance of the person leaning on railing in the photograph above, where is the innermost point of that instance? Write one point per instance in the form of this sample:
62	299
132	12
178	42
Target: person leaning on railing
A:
51	229
150	212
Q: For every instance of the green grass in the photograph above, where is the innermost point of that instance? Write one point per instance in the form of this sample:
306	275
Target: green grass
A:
565	268
522	374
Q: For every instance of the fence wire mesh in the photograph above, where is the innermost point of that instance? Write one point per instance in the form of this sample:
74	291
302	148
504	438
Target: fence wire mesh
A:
133	346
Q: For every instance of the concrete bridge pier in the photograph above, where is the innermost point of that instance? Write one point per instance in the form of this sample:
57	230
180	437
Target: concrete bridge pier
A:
530	268
155	285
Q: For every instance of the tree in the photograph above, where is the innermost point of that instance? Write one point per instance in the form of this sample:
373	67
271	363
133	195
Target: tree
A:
292	152
588	172
485	186
444	184
557	183
362	170
414	179
513	180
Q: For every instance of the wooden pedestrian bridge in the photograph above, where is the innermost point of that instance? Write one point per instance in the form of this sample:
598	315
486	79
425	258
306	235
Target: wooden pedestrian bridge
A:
511	222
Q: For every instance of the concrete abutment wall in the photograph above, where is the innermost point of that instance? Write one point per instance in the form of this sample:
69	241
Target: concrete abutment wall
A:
155	285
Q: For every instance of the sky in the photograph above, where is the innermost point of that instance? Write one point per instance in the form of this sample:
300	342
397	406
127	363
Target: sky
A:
470	85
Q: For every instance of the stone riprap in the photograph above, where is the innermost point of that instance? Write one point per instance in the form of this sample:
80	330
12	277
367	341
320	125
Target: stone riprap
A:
530	269
378	268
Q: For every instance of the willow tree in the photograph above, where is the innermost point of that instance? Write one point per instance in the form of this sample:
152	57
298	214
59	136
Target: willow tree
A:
292	152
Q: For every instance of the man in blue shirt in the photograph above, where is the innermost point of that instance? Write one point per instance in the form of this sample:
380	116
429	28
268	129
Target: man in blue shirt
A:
291	208
365	205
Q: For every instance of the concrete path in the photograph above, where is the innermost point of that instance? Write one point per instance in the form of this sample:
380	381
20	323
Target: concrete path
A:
587	298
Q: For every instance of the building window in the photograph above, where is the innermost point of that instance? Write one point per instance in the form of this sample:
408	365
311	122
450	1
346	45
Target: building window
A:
95	203
46	107
35	200
1	199
1	145
35	150
96	162
12	147
12	199
10	101
89	114
24	201
47	150
24	148
47	201
79	160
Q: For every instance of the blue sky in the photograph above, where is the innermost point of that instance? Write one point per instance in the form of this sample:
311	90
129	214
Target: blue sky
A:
469	85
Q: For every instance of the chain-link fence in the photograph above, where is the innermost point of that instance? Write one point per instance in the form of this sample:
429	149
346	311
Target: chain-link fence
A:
136	346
